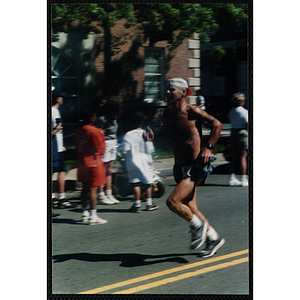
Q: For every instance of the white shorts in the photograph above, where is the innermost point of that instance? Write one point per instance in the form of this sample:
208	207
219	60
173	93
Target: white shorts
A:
111	151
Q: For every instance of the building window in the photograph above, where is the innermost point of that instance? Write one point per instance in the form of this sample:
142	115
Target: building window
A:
154	75
64	79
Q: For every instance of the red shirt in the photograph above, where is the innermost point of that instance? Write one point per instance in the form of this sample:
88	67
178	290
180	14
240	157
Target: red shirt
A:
90	146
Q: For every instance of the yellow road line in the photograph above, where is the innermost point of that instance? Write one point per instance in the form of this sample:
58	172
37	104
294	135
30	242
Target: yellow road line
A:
183	276
162	273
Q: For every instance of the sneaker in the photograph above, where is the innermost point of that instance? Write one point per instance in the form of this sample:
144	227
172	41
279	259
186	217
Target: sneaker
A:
234	182
198	236
112	199
152	207
211	247
85	216
62	203
97	221
244	182
135	209
104	200
54	215
54	202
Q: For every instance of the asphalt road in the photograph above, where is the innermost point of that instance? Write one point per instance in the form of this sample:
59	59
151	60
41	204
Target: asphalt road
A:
148	252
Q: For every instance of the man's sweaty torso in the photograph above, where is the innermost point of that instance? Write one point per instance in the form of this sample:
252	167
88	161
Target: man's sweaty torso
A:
184	136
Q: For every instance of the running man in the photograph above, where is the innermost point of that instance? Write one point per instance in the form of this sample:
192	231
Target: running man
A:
180	124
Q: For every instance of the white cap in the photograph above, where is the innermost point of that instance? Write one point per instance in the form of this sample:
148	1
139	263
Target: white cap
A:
179	82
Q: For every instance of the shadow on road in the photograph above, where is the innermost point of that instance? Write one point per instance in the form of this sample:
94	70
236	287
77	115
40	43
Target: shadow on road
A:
126	259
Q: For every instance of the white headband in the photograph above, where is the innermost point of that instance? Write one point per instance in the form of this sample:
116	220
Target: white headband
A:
179	82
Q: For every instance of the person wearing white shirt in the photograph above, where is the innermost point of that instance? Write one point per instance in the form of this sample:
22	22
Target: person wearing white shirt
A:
57	100
137	147
238	117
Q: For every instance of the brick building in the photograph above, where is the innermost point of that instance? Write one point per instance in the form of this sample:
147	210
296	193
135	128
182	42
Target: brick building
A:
135	73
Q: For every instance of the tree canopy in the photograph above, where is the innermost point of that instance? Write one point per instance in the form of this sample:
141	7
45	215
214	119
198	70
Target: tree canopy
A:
158	21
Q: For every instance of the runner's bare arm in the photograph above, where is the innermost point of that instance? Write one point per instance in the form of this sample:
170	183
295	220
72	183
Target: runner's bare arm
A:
211	122
216	127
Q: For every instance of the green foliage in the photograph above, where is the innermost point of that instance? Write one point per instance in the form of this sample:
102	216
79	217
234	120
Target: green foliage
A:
218	53
63	15
158	21
229	19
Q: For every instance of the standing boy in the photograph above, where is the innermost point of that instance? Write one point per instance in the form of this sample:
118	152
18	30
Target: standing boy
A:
137	147
90	146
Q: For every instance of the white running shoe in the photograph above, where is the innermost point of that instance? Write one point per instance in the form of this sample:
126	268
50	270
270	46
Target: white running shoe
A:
234	182
97	221
85	216
244	182
103	198
111	198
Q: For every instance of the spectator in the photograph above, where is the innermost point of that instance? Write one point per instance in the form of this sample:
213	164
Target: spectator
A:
137	147
55	157
238	117
200	103
108	123
57	101
90	145
200	100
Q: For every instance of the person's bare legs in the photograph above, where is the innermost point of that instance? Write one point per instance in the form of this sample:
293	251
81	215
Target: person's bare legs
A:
233	159
194	208
93	198
108	168
244	162
94	218
235	156
136	207
61	182
108	197
84	194
137	193
182	200
149	192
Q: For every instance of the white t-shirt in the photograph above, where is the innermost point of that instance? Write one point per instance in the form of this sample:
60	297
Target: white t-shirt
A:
200	100
59	136
238	117
138	157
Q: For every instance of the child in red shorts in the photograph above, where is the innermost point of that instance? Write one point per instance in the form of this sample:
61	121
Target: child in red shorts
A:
90	146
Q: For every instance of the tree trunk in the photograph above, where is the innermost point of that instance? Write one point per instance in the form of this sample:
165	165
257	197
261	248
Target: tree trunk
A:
107	58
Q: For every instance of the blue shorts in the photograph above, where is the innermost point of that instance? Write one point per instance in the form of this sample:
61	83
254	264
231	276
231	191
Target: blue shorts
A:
62	164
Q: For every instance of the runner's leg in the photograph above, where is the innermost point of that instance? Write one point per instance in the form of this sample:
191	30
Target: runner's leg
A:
183	193
194	208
